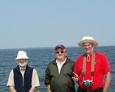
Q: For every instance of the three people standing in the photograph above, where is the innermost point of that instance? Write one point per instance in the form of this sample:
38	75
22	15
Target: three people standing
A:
91	71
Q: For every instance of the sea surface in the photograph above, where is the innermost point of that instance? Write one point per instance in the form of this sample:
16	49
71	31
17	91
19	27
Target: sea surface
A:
40	57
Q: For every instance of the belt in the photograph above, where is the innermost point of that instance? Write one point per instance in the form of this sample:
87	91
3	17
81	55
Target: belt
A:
90	90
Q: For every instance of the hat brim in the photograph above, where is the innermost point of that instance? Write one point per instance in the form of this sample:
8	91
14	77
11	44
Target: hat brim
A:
22	58
88	41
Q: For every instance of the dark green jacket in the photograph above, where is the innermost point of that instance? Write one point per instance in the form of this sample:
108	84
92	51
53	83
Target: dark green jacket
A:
60	82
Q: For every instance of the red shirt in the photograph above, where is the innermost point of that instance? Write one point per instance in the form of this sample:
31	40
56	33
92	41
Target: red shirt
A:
101	68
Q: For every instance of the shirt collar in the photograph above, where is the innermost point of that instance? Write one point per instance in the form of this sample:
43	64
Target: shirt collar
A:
22	68
62	62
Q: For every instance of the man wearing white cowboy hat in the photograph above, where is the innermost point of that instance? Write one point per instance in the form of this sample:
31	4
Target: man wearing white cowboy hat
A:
91	67
23	78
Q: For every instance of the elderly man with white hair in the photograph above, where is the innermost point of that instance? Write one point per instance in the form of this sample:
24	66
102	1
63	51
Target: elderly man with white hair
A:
91	68
23	78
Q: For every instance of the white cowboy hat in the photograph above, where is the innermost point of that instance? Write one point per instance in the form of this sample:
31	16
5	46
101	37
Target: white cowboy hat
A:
88	39
22	55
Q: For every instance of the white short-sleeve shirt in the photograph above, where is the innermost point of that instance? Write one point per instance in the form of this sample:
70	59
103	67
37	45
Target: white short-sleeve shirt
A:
35	79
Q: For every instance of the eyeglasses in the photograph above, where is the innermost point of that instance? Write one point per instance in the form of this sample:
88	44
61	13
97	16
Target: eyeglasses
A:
59	52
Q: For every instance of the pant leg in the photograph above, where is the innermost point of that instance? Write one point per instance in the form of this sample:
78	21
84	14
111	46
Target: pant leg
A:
97	90
81	90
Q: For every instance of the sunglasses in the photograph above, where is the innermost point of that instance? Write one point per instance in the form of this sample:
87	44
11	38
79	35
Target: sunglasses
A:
59	52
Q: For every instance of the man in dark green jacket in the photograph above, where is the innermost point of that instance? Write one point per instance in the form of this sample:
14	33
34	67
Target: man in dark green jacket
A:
59	72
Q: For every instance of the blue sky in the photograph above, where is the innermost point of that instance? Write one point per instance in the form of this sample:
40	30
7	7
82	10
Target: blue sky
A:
46	23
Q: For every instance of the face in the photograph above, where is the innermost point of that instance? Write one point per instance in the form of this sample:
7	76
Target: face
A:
60	54
88	47
22	62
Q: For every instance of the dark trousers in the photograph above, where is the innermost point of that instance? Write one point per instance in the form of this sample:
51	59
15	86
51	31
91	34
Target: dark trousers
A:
85	90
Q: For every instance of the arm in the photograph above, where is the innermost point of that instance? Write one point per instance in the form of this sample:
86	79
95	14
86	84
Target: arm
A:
106	71
35	81
10	82
107	82
47	79
76	69
48	87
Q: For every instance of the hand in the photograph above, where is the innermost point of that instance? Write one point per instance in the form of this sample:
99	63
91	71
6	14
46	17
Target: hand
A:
12	89
32	89
75	77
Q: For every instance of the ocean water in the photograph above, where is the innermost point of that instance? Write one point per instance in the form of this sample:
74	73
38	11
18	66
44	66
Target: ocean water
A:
40	57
